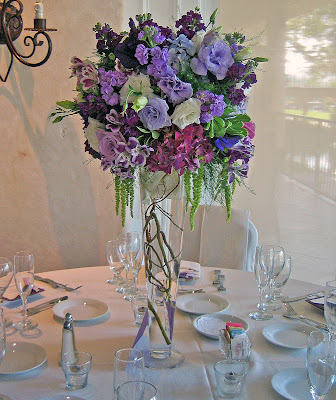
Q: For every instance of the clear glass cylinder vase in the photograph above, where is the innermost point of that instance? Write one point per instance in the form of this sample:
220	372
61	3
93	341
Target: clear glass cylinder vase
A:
163	213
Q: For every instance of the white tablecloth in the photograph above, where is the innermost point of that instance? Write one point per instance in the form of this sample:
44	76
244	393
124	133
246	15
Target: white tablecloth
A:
193	380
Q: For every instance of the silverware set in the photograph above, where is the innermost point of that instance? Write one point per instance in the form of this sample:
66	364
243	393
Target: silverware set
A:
56	285
292	314
45	306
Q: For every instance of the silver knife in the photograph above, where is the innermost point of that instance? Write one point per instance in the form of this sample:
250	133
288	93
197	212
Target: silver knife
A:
45	305
304	297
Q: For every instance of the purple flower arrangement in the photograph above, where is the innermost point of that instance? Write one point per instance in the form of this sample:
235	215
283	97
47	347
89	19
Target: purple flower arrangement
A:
169	102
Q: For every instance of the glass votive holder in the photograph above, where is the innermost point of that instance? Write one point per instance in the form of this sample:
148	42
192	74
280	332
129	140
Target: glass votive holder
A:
235	349
76	366
137	390
139	307
230	377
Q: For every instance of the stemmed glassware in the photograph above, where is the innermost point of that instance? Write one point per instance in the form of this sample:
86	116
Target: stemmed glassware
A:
330	307
263	272
24	279
320	364
115	264
281	279
6	275
2	344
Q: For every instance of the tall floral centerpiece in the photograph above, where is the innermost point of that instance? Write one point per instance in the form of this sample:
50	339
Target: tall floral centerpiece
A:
167	109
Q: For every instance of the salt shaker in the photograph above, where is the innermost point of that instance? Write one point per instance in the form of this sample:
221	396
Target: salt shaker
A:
68	336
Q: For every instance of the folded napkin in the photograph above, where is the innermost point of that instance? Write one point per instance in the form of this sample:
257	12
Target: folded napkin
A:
317	301
190	270
11	294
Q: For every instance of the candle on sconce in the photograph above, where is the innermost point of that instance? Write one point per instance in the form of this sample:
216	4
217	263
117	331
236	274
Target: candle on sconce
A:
39	20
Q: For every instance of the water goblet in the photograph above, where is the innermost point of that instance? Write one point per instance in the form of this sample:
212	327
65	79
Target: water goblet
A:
320	364
330	307
24	279
115	264
6	275
122	253
281	279
135	259
128	366
2	344
136	390
262	273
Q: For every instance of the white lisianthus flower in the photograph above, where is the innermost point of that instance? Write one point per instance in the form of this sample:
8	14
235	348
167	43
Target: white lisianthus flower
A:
140	83
90	132
187	113
197	39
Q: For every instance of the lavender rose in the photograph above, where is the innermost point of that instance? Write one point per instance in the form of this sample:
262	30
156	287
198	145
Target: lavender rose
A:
154	115
215	57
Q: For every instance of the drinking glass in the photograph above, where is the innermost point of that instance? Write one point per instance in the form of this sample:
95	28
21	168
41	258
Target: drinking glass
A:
320	364
330	307
122	253
263	273
115	264
273	257
6	275
128	366
281	279
24	279
136	390
134	257
2	344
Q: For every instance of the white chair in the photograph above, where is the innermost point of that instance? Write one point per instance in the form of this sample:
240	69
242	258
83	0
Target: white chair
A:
217	243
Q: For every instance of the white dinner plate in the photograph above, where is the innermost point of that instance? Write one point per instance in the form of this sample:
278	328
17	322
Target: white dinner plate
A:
201	303
292	384
63	397
22	357
81	309
292	335
210	324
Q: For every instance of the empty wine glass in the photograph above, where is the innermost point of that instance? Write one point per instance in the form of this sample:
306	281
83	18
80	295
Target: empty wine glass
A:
122	253
24	279
330	307
136	390
273	257
263	273
281	279
135	259
6	275
320	364
115	264
2	344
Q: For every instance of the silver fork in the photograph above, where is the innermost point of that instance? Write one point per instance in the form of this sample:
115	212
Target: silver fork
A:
292	314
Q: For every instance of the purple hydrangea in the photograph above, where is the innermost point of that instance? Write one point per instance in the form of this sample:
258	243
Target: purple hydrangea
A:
212	105
159	67
175	89
141	54
108	81
215	58
154	115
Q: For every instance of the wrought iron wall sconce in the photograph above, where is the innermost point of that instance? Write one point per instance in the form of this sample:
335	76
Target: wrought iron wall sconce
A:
11	28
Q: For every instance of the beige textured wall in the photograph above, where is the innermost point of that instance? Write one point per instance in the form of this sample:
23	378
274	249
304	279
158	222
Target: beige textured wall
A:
49	201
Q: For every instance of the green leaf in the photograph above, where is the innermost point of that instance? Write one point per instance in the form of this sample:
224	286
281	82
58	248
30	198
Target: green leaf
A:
219	126
67	104
155	135
211	131
142	130
243	118
260	59
228	110
57	119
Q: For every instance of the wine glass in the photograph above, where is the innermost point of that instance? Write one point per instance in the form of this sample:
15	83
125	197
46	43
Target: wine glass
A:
24	279
128	366
2	344
320	364
115	264
121	246
263	273
274	259
134	259
330	307
281	280
6	275
136	390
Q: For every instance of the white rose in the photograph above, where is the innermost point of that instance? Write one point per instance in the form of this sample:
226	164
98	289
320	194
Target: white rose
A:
197	39
187	113
140	83
90	132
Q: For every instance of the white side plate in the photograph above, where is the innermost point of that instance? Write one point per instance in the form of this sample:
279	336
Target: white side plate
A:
210	324
63	397
201	303
291	335
292	384
22	357
81	309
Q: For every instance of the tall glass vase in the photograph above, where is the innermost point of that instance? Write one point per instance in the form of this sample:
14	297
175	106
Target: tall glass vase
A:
163	214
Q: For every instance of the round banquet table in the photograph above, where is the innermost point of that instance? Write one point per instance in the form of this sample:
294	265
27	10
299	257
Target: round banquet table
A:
194	379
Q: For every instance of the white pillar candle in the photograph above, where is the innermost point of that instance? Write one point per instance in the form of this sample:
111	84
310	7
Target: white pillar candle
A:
38	10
